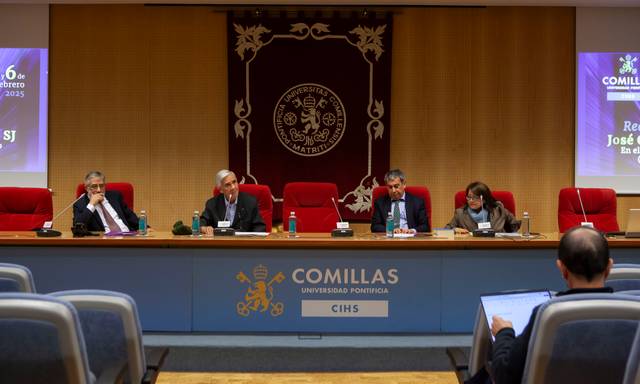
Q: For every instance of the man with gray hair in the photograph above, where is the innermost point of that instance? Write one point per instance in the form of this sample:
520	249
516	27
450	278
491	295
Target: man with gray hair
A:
238	208
409	212
102	210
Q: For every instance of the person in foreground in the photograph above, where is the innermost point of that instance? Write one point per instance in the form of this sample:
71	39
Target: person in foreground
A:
408	211
584	262
102	210
482	207
239	208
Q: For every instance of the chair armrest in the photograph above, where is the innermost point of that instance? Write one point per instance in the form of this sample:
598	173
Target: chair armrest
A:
460	363
155	357
113	374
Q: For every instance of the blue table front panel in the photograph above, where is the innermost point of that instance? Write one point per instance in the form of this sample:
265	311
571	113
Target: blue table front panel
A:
408	282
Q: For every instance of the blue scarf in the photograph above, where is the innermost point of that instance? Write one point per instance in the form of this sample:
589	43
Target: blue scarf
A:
479	217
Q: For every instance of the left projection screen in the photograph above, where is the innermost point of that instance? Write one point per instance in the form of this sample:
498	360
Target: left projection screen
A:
24	69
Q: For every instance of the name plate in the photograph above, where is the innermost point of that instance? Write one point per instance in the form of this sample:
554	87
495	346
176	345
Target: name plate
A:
224	224
586	224
342	224
47	224
485	225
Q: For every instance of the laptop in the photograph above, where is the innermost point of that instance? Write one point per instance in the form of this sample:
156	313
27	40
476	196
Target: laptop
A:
515	306
633	223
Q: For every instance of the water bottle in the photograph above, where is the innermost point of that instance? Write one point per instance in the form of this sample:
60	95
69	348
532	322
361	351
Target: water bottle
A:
292	224
195	224
390	225
142	223
526	225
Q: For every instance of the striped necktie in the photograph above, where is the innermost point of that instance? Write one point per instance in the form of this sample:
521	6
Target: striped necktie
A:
111	222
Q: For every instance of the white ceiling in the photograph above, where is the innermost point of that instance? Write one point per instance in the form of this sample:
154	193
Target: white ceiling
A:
369	3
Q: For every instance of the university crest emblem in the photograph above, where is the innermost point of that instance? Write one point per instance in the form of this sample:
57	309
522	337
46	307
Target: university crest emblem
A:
259	294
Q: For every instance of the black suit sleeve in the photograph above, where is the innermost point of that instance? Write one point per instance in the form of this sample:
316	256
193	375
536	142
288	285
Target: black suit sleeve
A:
509	354
250	219
209	218
379	217
81	214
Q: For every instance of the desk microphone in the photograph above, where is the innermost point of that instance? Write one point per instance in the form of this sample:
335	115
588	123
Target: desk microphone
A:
585	223
343	229
46	230
225	231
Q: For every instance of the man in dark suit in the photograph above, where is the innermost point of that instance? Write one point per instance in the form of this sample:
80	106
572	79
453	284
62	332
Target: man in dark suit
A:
408	211
237	209
102	210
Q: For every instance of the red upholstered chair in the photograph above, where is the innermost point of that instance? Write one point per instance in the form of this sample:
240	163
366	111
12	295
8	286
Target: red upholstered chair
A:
262	193
312	204
422	192
505	197
24	209
126	189
600	207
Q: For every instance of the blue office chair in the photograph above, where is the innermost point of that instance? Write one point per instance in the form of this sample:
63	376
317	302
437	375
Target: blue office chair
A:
582	338
624	277
16	278
480	345
41	341
112	333
632	372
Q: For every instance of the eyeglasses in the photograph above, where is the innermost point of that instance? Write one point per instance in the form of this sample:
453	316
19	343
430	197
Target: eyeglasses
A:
96	186
474	198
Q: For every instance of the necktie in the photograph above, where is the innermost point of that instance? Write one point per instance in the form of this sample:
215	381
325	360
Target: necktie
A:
111	223
396	214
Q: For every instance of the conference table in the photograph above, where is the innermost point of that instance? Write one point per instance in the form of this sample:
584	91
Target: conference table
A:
308	284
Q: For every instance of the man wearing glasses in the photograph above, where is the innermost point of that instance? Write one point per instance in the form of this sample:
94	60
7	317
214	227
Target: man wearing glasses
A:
408	211
102	210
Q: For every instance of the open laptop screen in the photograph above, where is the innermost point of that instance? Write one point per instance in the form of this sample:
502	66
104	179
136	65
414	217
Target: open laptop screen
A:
514	306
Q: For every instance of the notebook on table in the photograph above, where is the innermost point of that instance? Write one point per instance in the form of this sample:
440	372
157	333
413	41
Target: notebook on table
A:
515	306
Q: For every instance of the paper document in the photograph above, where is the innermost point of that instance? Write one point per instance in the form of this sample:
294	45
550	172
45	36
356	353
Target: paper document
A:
252	234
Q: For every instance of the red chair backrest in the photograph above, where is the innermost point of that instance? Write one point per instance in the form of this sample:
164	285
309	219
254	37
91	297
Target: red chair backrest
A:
600	207
505	197
421	192
24	209
126	189
262	193
312	204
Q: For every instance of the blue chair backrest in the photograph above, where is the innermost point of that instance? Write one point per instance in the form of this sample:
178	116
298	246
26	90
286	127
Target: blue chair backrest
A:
632	372
582	338
15	278
111	330
40	341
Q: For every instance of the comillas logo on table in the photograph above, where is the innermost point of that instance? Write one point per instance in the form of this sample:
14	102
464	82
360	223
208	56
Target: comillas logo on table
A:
259	296
323	292
346	292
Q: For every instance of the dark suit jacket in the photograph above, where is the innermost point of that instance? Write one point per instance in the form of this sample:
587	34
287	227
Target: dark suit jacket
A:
509	353
247	218
416	213
92	219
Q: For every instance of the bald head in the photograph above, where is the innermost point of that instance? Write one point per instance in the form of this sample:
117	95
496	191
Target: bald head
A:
584	252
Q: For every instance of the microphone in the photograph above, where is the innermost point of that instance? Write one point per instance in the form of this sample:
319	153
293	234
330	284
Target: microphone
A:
585	223
46	230
342	229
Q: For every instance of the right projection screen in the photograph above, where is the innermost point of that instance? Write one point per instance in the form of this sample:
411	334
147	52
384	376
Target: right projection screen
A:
608	99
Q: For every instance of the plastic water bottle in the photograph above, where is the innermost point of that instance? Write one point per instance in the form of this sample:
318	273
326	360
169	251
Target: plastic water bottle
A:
293	220
195	224
142	223
390	225
526	225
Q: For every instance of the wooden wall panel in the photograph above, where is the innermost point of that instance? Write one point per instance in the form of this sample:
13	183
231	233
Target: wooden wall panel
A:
477	94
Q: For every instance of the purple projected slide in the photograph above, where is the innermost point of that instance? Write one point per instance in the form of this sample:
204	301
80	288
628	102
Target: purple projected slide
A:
23	110
608	118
